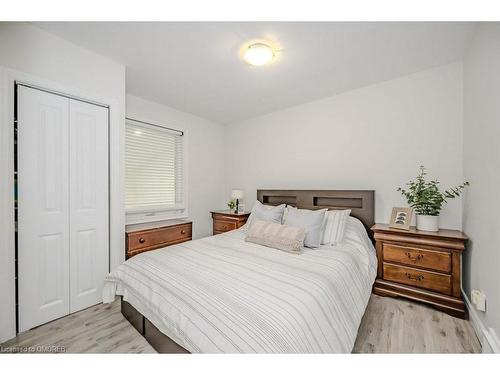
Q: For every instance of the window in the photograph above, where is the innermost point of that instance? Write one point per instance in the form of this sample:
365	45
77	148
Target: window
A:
154	175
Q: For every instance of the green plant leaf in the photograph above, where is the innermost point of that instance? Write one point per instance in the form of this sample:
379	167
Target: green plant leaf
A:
425	197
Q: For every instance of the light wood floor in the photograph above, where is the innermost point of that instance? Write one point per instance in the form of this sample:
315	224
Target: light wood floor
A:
392	325
389	326
98	329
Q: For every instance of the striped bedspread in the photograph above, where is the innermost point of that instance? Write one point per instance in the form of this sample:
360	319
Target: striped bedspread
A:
221	294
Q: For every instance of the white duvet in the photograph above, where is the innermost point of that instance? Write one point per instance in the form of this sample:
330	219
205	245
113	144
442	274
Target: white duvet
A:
221	294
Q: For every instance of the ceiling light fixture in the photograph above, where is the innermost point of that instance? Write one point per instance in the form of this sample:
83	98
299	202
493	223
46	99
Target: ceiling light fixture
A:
258	54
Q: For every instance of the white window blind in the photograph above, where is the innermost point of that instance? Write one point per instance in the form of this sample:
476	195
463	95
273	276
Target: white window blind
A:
154	176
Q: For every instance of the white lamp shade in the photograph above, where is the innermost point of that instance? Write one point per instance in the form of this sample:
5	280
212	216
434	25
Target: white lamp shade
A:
237	194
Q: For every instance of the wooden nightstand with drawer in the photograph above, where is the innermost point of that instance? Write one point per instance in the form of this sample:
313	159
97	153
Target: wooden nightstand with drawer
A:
419	265
151	236
224	221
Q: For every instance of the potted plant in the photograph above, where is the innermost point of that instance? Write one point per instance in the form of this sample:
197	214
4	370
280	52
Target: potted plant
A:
427	200
231	204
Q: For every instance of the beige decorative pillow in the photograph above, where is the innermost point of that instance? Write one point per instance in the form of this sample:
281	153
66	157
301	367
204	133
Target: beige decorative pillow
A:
277	236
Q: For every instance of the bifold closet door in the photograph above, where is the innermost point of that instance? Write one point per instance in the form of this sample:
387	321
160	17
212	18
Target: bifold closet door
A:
43	207
88	197
63	230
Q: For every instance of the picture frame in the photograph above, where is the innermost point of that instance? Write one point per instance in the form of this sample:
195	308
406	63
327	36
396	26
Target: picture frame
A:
241	208
401	218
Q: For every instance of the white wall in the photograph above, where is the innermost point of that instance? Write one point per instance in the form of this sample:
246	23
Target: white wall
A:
371	138
482	169
205	158
33	55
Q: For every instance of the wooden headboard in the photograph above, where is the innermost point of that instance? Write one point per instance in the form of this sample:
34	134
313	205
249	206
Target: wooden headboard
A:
361	202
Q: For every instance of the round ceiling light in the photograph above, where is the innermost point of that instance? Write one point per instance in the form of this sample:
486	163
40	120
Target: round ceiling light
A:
258	54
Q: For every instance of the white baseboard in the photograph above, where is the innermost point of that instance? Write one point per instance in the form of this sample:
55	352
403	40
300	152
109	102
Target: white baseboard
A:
487	337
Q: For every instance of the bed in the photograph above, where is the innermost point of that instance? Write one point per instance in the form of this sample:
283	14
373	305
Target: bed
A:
221	294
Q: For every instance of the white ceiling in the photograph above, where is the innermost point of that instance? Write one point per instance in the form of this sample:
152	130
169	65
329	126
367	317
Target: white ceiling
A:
196	67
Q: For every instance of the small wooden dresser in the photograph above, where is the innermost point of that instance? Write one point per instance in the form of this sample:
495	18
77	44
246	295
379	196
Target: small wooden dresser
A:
150	236
423	266
224	221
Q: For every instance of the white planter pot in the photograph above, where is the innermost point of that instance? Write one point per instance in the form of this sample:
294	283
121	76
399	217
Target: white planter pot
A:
428	223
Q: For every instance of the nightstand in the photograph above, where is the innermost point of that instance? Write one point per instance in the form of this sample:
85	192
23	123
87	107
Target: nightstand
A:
224	221
422	266
151	236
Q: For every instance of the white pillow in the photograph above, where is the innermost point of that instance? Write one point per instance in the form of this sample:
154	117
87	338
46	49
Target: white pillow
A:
310	220
273	214
335	224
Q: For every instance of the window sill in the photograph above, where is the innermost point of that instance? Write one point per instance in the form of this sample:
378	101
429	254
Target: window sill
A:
148	217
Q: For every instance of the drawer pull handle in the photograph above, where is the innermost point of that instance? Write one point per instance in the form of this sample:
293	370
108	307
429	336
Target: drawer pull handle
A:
183	231
414	278
142	240
415	259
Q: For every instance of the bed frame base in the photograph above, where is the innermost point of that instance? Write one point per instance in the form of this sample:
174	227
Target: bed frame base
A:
160	342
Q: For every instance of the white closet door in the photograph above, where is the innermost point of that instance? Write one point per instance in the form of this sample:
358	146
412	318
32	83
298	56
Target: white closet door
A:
89	243
43	242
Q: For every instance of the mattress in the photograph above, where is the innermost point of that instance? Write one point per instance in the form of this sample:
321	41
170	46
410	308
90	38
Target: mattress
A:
221	294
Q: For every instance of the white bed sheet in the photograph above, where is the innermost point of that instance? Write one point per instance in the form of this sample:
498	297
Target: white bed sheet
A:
221	294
